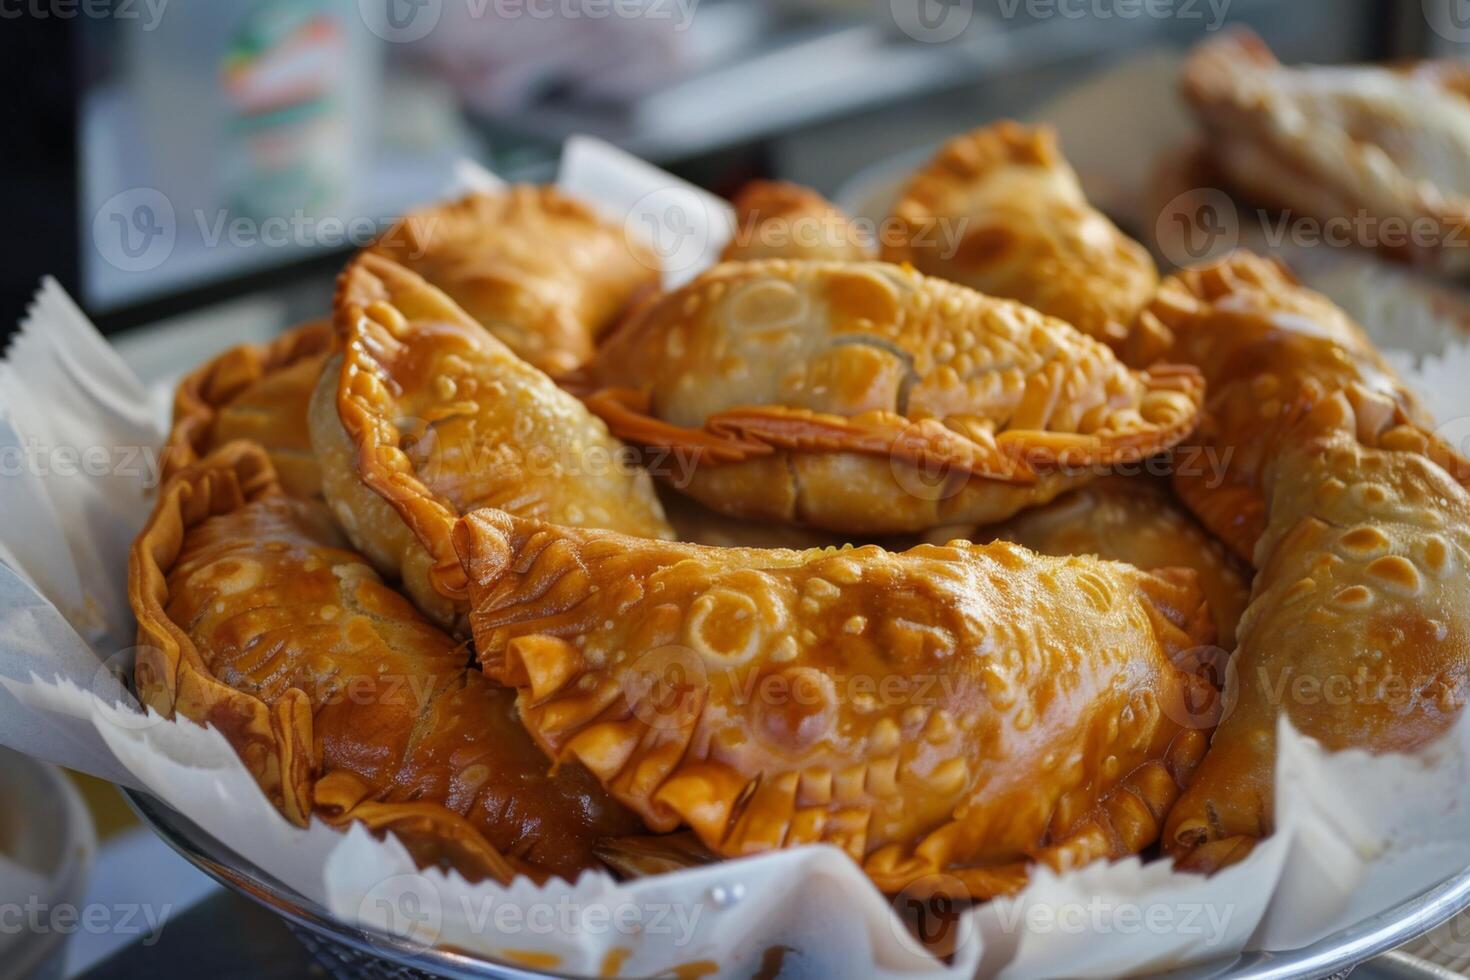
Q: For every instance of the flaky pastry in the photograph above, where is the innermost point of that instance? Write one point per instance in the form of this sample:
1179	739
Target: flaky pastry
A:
867	398
1270	349
1001	211
426	417
544	273
343	701
779	220
1134	520
946	715
1385	148
258	393
1359	629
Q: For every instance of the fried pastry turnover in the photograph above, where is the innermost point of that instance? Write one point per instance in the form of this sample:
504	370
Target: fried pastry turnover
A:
779	220
1359	629
1270	349
1001	211
258	393
1388	144
544	273
426	417
340	698
1134	520
946	715
867	398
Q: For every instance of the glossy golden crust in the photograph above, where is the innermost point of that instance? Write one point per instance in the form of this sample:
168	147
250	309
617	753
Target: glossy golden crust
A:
256	393
867	398
1391	144
439	418
1270	350
340	698
1359	630
957	709
778	220
1000	210
1134	520
543	273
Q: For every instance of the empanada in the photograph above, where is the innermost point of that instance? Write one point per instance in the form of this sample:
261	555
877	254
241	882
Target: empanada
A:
1000	210
544	273
1270	349
256	393
343	701
1359	629
866	398
946	715
779	220
426	417
1384	151
1128	519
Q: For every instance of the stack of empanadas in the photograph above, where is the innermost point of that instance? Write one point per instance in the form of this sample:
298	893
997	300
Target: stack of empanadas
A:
420	582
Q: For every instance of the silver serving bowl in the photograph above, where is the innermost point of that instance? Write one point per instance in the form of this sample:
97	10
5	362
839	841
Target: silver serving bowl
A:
347	950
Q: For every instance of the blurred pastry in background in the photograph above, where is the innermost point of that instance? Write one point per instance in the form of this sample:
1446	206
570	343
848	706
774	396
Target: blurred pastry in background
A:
1001	211
1382	151
780	220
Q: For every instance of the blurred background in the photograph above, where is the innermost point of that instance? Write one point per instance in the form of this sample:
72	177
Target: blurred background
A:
166	156
194	171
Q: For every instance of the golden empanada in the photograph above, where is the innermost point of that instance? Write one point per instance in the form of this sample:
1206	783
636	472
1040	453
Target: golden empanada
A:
778	220
866	398
256	393
426	417
544	273
1134	520
946	715
1270	350
343	701
1384	152
1359	629
1000	210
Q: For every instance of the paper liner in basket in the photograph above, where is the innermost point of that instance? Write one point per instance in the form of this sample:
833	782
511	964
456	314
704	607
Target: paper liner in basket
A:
1356	833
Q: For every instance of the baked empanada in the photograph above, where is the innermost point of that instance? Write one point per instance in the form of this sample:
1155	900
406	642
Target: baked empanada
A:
866	398
779	220
426	417
343	701
1000	210
1359	629
544	273
946	715
256	393
1134	520
1388	145
1270	349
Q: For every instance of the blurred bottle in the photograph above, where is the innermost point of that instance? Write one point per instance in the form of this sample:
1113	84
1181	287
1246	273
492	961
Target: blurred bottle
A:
256	108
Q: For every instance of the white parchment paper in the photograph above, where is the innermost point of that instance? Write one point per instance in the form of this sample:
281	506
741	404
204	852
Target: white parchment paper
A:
1356	833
